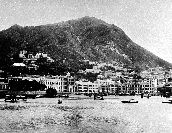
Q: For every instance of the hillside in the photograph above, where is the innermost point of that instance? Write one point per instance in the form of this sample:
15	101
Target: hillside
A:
74	40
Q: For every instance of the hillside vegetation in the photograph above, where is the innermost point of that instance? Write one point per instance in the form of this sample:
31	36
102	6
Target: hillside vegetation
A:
74	40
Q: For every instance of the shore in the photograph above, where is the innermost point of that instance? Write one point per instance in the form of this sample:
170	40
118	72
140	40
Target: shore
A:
82	114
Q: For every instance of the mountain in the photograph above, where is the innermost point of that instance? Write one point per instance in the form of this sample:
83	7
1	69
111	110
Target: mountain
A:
74	40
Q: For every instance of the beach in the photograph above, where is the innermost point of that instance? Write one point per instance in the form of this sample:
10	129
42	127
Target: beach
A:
81	114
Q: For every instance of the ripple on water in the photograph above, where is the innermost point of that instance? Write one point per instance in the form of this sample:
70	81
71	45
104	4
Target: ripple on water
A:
110	115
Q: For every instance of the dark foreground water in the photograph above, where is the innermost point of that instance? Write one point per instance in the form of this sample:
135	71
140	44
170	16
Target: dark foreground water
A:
83	115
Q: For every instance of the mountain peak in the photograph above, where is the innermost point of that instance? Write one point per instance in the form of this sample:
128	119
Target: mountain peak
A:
94	20
16	26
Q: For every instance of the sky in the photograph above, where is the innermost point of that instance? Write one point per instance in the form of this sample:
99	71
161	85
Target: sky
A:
147	22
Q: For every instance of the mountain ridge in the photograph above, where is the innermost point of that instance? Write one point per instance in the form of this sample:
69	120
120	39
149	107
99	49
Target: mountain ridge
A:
84	38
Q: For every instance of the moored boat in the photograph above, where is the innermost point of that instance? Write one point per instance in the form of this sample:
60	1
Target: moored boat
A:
169	101
129	101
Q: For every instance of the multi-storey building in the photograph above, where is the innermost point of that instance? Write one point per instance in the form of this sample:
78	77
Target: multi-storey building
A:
3	81
86	87
134	87
107	85
53	82
3	86
60	83
149	85
121	88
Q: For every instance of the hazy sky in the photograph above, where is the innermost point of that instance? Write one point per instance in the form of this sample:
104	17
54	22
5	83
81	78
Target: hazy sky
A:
146	22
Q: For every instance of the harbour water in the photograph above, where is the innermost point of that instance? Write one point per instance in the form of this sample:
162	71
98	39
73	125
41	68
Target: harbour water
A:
80	114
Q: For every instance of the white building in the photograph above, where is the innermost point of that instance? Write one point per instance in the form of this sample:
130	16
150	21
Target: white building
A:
3	86
86	86
53	82
60	83
149	85
107	85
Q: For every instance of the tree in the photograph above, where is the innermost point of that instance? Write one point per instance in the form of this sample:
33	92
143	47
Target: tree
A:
25	85
17	59
50	92
91	76
43	65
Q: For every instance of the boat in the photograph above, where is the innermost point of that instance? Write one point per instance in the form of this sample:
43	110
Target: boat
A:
10	98
169	101
99	98
129	101
59	101
96	97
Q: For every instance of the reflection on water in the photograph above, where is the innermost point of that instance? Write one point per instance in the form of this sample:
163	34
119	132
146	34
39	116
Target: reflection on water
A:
88	116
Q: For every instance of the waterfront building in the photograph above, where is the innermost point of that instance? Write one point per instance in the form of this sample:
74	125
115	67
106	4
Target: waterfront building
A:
69	82
168	86
86	87
134	88
53	82
60	83
148	85
107	85
154	78
4	86
121	88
